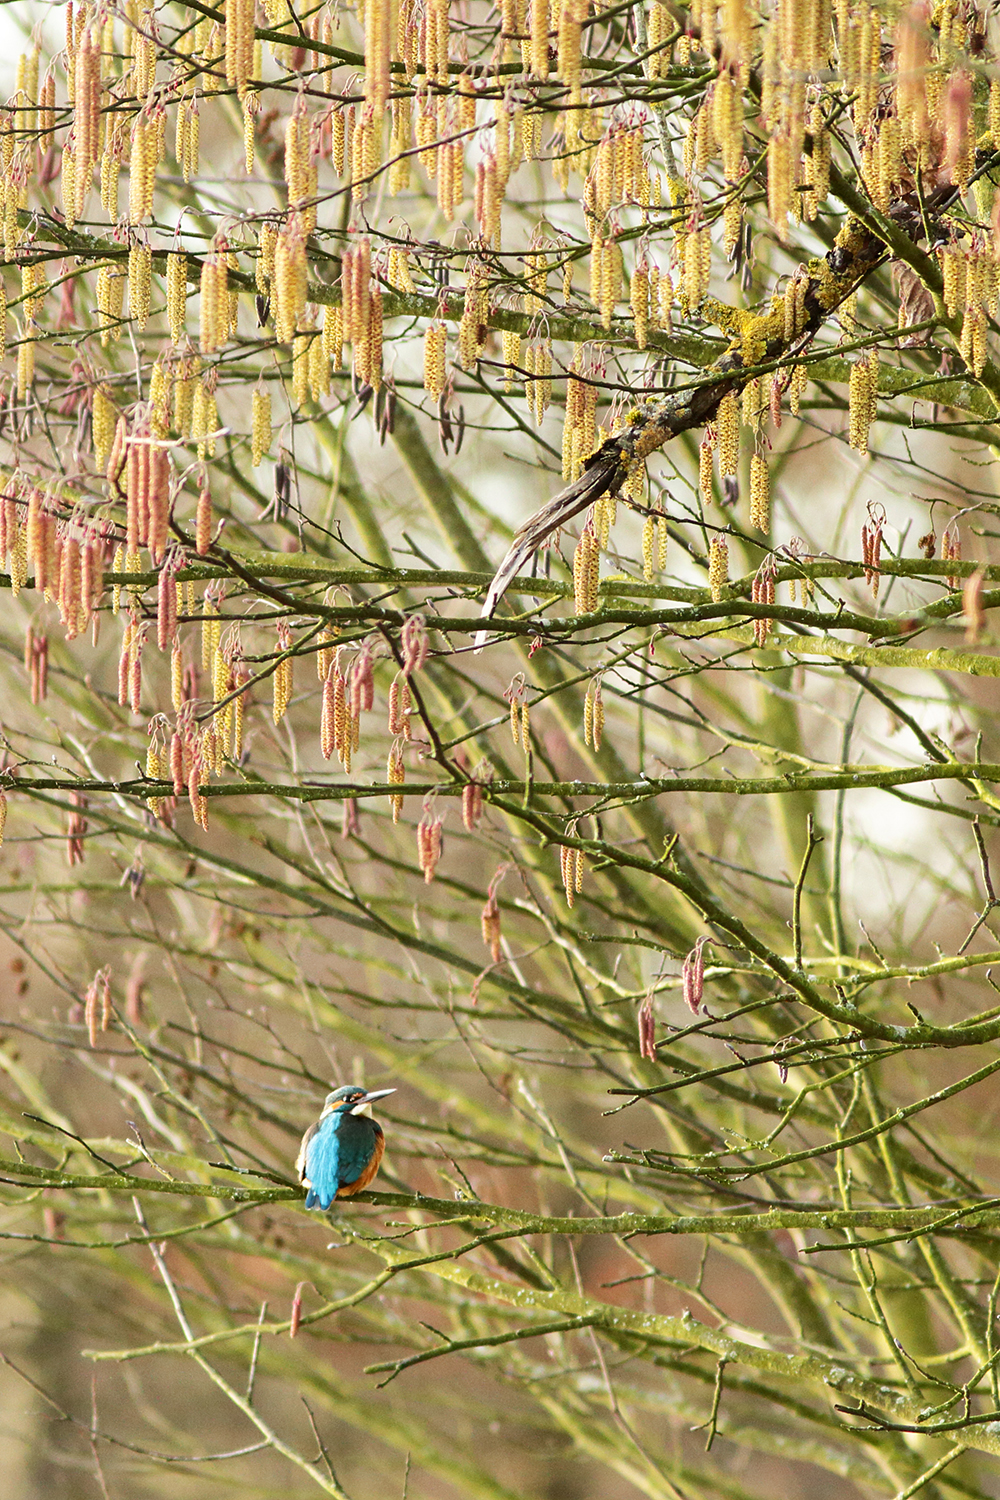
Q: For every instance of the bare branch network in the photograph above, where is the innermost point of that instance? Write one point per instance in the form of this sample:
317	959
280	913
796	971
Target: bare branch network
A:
498	507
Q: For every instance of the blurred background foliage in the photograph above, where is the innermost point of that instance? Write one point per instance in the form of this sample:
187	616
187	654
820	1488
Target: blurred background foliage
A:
669	915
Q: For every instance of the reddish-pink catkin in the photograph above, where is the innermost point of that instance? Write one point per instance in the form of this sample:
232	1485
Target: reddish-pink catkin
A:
124	661
132	498
76	829
90	1012
177	762
166	607
158	503
428	845
472	804
693	976
362	684
92	574
490	918
647	1029
135	672
415	644
296	1317
400	704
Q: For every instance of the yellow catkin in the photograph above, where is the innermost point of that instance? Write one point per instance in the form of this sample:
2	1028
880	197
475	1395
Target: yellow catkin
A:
586	570
611	280
333	337
760	493
239	31
297	155
251	108
109	297
176	294
435	339
395	775
260	439
662	541
104	418
639	302
290	283
728	425
281	680
300	366
648	538
511	346
859	406
145	155
214	317
796	389
697	266
718	567
267	245
473	327
25	367
211	630
140	266
706	450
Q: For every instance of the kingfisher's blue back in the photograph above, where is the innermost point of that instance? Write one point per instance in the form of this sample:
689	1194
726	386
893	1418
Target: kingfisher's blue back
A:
340	1154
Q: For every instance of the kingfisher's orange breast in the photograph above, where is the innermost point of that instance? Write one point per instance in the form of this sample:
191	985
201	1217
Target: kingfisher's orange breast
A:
348	1189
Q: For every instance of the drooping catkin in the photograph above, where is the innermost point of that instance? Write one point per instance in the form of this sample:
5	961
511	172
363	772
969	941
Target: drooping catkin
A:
571	867
639	301
104	418
395	775
176	294
211	629
760	493
203	522
718	567
762	592
593	714
435	339
951	551
260	435
290	282
429	844
147	139
140	266
239	31
333	337
706	449
859	405
281	677
298	176
728	428
586	570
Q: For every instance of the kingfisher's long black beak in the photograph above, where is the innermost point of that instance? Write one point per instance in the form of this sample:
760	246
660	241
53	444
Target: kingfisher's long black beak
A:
370	1099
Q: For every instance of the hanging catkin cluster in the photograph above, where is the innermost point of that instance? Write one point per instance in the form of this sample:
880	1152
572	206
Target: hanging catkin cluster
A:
159	407
362	313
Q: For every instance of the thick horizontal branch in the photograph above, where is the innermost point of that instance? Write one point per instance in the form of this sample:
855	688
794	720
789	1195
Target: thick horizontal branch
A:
846	778
956	1215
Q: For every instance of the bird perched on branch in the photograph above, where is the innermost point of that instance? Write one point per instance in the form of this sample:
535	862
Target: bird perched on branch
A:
340	1153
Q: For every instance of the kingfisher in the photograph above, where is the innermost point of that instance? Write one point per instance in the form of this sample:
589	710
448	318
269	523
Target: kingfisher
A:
340	1153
